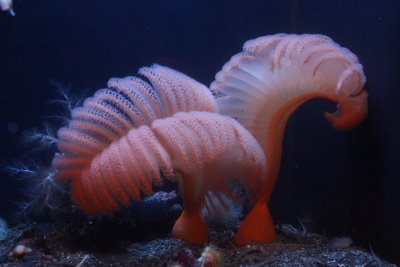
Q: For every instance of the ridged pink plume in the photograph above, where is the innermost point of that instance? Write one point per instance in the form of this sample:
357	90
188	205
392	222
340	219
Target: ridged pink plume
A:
116	145
208	151
263	85
106	118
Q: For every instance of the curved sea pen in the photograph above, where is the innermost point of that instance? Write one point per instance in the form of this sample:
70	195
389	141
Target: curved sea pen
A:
263	85
115	146
207	152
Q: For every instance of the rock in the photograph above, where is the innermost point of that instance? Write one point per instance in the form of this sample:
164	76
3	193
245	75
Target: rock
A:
3	229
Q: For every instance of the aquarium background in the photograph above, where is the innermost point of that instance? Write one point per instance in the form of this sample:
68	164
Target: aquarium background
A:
340	183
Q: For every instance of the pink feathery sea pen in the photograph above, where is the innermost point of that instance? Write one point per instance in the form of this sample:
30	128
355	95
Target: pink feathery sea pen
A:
115	146
263	85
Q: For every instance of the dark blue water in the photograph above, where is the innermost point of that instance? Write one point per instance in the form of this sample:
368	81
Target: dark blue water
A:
348	182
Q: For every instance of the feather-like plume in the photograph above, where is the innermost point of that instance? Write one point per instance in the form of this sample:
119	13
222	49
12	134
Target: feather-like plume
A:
116	145
263	85
207	151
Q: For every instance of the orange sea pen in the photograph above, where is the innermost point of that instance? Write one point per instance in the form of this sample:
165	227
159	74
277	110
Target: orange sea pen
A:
115	146
208	151
263	85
